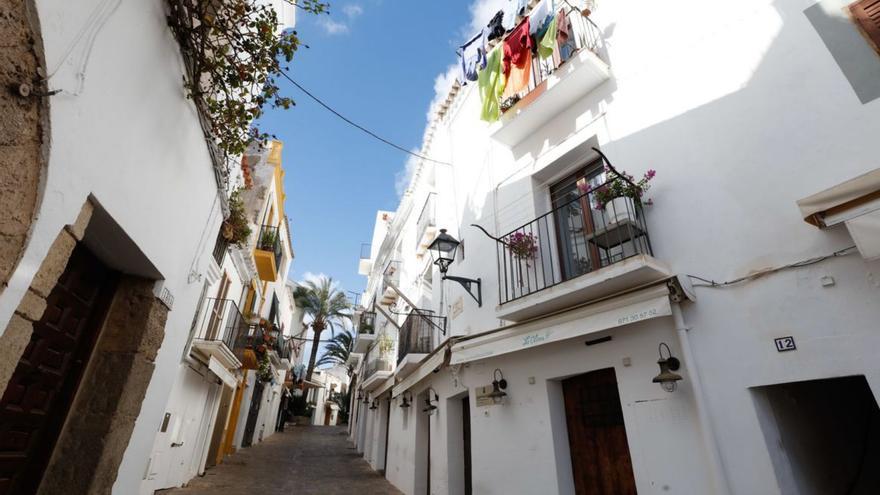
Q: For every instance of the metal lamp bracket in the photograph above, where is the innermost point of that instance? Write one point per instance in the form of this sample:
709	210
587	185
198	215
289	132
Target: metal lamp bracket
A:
468	283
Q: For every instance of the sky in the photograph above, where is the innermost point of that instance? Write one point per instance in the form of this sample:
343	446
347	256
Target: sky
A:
380	63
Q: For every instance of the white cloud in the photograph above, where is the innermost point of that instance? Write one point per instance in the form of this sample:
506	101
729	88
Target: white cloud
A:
481	13
403	177
352	10
442	84
332	27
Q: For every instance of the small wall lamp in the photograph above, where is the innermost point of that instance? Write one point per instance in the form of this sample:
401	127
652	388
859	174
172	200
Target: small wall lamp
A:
667	379
499	385
405	402
360	395
442	250
431	403
374	405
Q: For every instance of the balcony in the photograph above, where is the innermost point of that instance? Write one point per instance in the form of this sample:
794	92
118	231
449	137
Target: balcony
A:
365	264
379	367
426	228
219	335
417	339
267	254
554	88
366	332
390	274
575	253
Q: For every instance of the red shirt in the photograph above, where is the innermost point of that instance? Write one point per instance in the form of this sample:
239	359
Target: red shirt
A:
517	46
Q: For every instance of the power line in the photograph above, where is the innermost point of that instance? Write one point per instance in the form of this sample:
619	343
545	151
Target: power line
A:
358	126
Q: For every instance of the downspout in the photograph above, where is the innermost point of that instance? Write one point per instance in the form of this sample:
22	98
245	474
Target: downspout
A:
708	432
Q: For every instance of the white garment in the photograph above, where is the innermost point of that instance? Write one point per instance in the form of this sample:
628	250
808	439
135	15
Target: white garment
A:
539	14
512	9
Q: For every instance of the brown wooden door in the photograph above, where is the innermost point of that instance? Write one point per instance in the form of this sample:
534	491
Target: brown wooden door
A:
466	431
218	308
39	394
600	459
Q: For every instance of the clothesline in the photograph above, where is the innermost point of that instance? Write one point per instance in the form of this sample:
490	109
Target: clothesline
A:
500	56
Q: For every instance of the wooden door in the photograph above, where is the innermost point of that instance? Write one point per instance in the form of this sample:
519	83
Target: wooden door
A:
600	459
218	308
466	431
574	222
42	387
251	425
327	413
228	442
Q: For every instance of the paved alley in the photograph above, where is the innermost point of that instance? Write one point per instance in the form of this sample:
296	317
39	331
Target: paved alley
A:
302	460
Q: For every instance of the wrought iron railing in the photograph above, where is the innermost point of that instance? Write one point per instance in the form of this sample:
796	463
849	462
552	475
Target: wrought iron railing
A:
573	239
270	240
427	218
222	321
584	35
377	360
367	322
418	331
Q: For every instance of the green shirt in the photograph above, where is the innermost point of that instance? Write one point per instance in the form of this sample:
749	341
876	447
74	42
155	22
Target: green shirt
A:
491	82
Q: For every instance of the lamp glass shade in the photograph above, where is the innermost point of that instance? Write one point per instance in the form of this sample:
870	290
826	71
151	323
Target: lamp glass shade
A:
666	378
443	249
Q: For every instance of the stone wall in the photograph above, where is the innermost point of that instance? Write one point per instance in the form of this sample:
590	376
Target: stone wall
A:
101	420
23	129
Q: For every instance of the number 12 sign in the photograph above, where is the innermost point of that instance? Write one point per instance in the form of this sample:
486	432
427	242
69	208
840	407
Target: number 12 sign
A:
785	344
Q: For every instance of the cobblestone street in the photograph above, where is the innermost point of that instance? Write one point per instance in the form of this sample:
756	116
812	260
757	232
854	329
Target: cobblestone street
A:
302	460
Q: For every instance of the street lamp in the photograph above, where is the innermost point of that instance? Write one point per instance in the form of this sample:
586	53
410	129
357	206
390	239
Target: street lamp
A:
442	250
667	379
404	404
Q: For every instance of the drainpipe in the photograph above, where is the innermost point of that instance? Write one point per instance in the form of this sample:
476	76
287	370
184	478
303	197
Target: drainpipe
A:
708	432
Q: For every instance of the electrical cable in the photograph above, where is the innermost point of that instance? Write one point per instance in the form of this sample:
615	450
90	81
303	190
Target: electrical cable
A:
753	276
358	126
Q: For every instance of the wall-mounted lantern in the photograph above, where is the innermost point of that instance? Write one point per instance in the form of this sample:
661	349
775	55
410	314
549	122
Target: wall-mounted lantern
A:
443	253
405	402
374	405
499	385
431	403
360	395
667	379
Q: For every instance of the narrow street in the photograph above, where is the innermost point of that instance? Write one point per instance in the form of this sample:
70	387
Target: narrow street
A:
302	460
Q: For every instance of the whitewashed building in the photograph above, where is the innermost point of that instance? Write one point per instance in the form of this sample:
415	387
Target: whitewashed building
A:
229	387
328	396
755	268
110	205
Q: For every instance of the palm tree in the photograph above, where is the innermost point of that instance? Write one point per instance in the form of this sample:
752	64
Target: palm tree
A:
338	349
326	305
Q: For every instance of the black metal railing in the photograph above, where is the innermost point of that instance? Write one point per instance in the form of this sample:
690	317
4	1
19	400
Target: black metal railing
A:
377	360
220	246
584	35
427	218
418	331
222	321
367	322
270	240
573	239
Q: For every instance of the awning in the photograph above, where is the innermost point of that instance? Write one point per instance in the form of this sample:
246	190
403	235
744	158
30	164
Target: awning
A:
221	372
425	368
643	305
847	194
310	384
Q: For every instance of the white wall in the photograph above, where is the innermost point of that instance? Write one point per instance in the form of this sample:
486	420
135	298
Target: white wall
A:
741	116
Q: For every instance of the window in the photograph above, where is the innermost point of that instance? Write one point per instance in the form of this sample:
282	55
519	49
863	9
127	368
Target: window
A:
866	14
575	220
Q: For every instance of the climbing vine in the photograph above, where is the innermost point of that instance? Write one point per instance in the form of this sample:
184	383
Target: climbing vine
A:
233	56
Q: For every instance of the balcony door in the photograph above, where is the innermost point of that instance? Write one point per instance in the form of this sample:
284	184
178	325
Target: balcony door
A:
216	316
576	222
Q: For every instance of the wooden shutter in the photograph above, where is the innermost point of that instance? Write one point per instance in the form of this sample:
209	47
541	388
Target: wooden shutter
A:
866	13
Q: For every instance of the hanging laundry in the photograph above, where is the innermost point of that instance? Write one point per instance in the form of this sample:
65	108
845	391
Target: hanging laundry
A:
513	9
495	28
564	36
491	82
518	59
547	43
472	58
540	15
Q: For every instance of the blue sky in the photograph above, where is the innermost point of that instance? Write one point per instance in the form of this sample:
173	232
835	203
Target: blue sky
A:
377	62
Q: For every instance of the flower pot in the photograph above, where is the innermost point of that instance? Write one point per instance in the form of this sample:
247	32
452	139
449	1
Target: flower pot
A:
619	210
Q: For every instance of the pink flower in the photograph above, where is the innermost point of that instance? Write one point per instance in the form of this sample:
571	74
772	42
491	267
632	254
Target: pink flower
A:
650	174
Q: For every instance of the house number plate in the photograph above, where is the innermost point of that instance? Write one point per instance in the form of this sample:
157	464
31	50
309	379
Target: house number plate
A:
785	344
